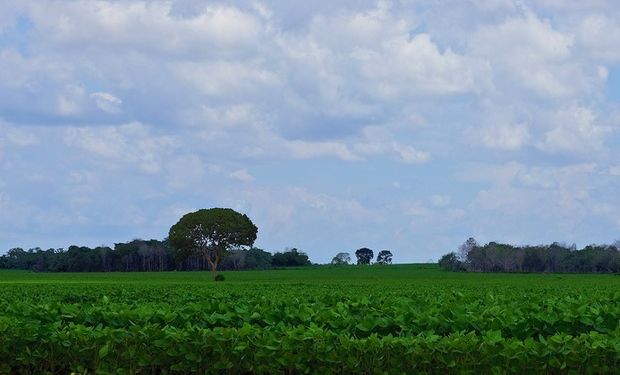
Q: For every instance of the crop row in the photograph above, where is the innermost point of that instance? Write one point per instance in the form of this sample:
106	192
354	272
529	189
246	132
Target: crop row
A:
56	348
529	316
374	326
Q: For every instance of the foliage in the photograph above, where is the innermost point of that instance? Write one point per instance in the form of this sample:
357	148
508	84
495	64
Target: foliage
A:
290	258
384	257
450	262
497	257
341	259
219	277
250	259
136	255
364	255
398	319
466	248
210	233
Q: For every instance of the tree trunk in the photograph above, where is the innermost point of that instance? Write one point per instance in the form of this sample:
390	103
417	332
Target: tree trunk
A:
213	263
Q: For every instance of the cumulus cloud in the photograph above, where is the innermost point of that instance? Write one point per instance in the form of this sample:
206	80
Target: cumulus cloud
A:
548	192
126	146
410	155
326	104
14	135
148	27
242	175
575	130
106	101
529	53
505	137
598	34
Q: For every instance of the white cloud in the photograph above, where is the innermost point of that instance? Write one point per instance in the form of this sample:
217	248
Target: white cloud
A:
404	67
417	209
537	178
306	150
438	219
224	78
16	71
149	27
342	208
410	155
71	101
383	56
496	5
13	213
178	99
527	52
242	175
186	171
557	193
130	145
505	137
107	102
17	136
575	130
598	34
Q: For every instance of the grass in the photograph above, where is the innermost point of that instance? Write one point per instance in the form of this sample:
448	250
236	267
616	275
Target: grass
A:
393	275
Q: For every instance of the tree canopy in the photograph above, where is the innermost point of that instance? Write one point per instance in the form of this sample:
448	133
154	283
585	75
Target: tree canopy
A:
384	257
211	233
290	258
364	255
341	259
557	257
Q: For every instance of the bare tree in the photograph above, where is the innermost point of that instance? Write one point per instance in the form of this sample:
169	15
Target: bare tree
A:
465	248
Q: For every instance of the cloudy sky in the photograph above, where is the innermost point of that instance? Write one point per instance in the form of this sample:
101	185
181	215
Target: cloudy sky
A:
408	125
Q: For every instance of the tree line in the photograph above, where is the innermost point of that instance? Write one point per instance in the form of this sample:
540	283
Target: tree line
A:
364	256
155	255
143	255
557	257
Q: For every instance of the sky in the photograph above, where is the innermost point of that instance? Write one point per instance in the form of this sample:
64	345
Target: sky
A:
404	125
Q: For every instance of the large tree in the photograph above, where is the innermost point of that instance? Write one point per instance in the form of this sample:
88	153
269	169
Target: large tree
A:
211	233
384	257
341	259
364	255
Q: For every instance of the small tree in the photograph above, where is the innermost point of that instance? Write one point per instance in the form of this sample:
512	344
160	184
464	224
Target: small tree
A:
341	259
384	257
211	233
364	255
450	262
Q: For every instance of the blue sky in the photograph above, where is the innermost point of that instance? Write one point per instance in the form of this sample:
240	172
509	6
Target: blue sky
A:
402	125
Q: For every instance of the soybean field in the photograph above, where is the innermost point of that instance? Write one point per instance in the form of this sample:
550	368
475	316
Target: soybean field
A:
366	319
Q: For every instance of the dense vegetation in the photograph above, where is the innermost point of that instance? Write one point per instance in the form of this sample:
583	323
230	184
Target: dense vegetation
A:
398	319
141	255
211	234
496	257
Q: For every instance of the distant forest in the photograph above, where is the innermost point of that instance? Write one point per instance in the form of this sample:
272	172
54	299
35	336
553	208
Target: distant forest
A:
142	255
557	257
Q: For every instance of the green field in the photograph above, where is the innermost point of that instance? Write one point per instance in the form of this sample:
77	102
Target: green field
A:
390	319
